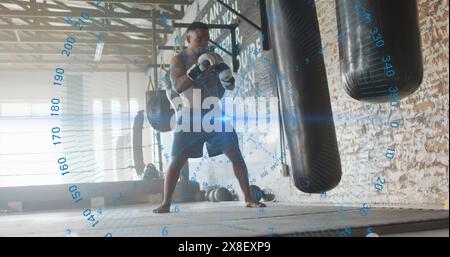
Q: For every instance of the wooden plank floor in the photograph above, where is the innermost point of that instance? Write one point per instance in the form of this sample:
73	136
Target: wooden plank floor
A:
227	219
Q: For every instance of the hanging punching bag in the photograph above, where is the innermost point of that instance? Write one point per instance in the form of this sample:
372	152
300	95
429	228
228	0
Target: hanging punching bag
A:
380	48
159	110
158	106
305	99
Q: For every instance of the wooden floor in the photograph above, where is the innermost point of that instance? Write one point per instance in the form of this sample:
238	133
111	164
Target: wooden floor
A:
229	219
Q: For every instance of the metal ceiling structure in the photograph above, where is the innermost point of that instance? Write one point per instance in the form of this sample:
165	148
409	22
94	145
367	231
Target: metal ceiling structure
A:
33	32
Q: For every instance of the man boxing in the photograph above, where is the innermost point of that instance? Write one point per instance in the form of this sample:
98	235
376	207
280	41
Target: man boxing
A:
198	68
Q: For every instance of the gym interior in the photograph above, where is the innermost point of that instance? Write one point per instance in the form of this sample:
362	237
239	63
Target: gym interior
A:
353	139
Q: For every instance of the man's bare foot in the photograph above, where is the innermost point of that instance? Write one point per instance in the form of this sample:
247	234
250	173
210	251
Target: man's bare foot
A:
162	209
254	205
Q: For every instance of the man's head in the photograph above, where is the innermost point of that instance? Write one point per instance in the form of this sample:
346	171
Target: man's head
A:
198	35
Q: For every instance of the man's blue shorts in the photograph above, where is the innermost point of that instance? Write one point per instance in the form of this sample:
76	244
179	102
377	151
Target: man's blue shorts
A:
190	144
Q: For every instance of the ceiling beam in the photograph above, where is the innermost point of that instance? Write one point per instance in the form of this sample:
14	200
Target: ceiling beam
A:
53	51
73	61
150	2
93	13
76	68
91	28
59	41
17	35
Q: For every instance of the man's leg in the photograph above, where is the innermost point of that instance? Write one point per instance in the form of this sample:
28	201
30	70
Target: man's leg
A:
173	173
241	173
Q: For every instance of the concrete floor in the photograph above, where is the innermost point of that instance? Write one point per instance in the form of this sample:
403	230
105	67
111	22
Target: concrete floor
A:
431	233
229	219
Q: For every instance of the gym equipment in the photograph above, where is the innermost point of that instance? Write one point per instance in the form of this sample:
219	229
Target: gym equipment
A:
222	194
211	196
268	195
204	62
138	155
256	192
379	47
186	191
158	108
225	76
194	185
208	193
151	172
234	196
303	90
200	196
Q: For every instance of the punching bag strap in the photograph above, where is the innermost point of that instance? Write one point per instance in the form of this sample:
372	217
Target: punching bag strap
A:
150	84
162	64
178	46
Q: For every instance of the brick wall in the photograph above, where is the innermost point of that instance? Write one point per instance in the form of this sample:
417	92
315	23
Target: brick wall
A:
418	175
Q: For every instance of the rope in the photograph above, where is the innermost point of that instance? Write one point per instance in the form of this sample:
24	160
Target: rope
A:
178	46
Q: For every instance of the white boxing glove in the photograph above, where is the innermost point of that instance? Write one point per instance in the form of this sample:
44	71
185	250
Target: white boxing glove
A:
209	59
205	61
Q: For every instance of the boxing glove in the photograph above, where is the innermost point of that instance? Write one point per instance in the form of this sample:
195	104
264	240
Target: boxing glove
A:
205	61
225	75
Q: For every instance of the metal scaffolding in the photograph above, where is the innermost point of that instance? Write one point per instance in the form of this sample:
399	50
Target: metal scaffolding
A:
32	31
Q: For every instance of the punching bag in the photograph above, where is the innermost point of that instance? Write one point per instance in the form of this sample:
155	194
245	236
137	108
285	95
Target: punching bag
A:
304	95
138	155
159	110
379	48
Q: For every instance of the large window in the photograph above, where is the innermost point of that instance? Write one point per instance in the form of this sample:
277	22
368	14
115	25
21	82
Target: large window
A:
95	127
26	153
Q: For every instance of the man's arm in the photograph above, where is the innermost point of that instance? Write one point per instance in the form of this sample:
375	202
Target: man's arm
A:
180	81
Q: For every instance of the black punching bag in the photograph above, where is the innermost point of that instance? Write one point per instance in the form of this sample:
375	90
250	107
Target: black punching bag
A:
305	99
159	110
379	48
